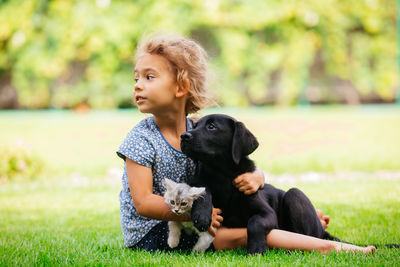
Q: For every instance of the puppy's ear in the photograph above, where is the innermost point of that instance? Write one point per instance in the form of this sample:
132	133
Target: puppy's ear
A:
243	143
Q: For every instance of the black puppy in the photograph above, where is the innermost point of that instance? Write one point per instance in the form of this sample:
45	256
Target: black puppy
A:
222	145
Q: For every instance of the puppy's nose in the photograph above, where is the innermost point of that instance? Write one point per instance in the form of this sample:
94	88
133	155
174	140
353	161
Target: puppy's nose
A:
186	136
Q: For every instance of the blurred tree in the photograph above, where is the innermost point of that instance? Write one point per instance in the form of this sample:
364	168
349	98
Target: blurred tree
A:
61	54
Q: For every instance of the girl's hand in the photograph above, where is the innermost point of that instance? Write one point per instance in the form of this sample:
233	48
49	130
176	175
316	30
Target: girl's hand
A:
216	221
249	182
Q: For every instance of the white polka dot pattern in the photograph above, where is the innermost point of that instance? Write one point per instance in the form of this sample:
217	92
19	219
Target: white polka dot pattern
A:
146	145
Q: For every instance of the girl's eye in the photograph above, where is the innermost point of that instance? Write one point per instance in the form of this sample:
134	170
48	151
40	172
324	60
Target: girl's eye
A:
211	126
149	77
172	202
183	203
136	80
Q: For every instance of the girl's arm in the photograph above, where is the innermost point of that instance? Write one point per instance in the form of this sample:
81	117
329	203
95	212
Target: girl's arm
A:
147	204
150	205
250	182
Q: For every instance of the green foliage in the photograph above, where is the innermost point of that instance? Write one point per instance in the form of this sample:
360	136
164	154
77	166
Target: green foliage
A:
63	53
19	164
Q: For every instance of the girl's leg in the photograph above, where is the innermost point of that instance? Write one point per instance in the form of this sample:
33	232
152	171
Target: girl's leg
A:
231	238
288	240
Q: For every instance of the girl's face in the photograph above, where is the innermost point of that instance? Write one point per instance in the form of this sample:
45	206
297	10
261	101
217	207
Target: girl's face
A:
156	87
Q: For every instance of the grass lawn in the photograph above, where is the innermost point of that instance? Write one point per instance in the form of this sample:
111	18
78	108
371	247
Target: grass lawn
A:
295	140
62	224
73	219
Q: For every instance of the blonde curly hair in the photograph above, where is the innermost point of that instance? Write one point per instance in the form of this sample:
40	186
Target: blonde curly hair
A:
189	63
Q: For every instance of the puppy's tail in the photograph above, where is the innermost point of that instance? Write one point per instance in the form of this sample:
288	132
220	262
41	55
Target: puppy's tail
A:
334	238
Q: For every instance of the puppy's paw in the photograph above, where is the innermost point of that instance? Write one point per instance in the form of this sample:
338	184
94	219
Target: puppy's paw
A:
255	248
201	222
173	241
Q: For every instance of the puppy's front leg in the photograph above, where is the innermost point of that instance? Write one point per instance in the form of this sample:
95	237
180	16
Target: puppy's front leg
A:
201	214
257	229
262	221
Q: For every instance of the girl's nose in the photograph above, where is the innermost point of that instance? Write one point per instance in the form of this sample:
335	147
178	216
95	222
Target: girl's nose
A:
138	86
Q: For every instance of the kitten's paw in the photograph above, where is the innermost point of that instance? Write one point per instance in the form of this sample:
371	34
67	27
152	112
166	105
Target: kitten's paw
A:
204	242
199	249
173	241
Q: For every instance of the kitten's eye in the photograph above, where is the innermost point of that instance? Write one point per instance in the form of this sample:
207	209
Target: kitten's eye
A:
211	126
183	203
172	202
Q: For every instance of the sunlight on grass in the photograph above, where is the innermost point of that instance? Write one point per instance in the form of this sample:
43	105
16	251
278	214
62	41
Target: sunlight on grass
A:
322	139
59	224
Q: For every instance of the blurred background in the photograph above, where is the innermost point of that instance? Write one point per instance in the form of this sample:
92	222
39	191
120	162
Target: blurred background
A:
73	54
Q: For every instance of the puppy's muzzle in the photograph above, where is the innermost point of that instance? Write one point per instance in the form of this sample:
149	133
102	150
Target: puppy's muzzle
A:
186	142
186	137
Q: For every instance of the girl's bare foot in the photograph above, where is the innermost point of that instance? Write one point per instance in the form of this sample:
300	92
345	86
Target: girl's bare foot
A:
323	218
353	248
370	249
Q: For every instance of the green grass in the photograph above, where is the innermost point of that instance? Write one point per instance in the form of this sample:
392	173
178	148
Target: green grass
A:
56	223
295	140
62	220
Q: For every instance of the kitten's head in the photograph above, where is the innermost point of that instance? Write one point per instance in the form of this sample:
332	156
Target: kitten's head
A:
180	196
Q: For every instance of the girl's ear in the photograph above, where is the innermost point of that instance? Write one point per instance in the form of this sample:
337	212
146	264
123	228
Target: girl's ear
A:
183	88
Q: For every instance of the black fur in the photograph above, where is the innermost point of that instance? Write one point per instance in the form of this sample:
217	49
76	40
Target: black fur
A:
222	145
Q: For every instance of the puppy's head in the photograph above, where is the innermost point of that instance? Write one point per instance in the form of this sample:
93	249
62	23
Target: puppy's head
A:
218	137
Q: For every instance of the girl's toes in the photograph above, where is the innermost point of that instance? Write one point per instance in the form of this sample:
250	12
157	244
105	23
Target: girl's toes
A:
370	249
326	219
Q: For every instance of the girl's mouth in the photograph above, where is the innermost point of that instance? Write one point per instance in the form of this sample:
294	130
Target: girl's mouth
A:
139	99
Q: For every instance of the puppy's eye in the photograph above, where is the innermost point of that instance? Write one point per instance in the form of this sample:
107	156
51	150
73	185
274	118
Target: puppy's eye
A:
172	202
211	126
183	204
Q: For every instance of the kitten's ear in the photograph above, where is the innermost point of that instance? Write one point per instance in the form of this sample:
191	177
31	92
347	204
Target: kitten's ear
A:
197	191
168	184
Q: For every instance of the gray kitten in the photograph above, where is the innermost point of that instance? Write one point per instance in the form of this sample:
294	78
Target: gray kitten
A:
179	198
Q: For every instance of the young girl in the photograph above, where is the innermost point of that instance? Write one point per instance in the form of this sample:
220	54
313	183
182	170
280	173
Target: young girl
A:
170	76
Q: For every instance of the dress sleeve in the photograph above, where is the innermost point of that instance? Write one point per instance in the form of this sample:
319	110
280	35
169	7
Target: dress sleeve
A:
138	148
